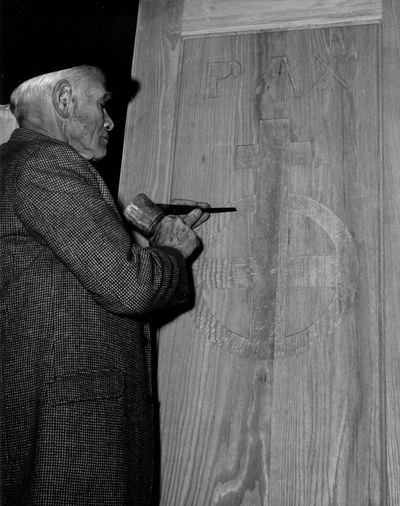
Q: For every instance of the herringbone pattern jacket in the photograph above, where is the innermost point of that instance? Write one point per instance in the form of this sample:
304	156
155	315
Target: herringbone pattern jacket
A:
76	414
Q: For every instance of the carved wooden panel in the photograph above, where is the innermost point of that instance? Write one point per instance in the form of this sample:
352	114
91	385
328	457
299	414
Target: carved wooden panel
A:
269	385
285	125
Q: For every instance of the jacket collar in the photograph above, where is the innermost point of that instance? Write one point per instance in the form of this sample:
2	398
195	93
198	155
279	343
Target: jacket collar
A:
24	134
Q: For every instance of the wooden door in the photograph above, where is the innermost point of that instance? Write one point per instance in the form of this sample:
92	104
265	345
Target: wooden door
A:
279	385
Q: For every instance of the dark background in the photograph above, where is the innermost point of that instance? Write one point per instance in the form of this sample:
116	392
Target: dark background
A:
40	36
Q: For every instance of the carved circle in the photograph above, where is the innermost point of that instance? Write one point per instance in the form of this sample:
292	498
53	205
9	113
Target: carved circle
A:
217	273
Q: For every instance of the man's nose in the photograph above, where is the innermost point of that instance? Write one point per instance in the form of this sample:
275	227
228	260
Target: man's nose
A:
108	122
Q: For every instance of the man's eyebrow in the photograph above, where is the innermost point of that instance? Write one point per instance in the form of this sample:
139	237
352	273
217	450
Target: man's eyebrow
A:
108	95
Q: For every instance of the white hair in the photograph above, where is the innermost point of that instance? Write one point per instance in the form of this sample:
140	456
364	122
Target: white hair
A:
33	94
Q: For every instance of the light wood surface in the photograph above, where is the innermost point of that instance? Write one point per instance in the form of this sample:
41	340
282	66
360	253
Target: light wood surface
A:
236	16
149	127
292	415
280	384
390	391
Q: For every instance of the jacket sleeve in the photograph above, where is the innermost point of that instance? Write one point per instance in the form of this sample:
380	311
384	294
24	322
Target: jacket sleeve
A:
59	202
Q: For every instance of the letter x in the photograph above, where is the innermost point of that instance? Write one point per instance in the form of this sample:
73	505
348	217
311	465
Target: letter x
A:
327	75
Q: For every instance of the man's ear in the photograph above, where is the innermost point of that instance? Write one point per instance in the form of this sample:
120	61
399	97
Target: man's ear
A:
62	94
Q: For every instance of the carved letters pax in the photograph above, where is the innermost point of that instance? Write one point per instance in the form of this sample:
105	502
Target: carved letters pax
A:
217	71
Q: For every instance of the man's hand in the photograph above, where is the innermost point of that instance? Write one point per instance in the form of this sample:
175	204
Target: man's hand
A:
203	205
177	232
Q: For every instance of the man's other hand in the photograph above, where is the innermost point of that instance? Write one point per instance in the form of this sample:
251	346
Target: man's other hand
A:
177	233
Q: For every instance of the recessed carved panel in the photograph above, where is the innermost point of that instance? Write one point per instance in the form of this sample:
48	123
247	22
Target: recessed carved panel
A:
285	286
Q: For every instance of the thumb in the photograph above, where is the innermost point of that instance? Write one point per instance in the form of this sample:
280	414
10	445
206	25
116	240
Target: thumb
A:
191	218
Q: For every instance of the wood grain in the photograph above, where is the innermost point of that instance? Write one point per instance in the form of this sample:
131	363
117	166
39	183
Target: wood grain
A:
303	429
390	397
318	424
202	17
149	127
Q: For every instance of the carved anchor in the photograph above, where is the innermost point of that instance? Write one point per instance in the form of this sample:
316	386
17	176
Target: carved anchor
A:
269	272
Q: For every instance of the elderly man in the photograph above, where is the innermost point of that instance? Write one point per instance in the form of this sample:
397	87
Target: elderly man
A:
77	298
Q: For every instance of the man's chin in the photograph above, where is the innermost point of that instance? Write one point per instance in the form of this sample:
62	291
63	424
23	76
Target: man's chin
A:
93	155
99	155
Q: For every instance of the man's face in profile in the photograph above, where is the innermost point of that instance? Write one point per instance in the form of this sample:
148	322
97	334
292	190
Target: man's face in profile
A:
89	124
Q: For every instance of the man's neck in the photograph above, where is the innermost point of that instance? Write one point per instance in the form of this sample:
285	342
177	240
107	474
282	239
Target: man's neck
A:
40	128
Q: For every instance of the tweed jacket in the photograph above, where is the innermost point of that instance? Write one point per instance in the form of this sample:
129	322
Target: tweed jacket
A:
76	298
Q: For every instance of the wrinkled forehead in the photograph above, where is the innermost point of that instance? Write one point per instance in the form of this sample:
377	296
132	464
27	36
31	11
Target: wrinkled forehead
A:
93	88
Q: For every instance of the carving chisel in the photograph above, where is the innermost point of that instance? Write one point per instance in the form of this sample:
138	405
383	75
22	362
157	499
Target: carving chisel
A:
175	209
145	215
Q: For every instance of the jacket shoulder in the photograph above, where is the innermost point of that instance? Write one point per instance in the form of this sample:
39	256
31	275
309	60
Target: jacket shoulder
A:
24	143
30	152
